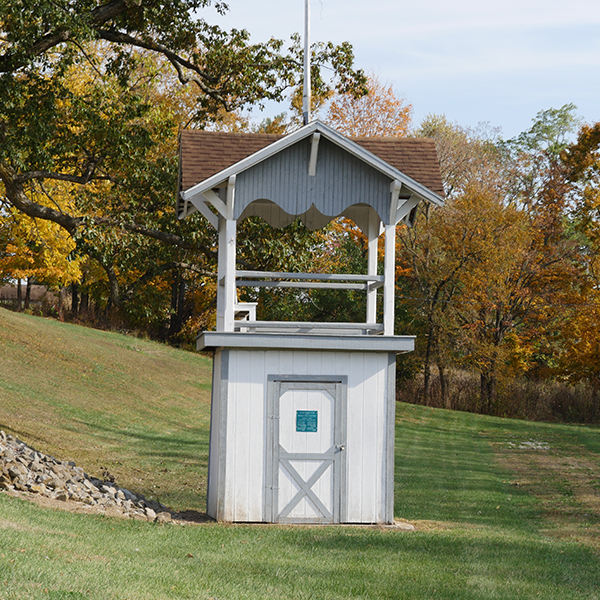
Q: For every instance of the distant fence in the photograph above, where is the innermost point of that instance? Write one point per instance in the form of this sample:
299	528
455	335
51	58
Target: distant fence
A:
37	295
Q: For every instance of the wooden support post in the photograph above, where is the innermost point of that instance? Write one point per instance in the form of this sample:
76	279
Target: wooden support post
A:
207	213
373	239
226	289
230	196
389	267
390	279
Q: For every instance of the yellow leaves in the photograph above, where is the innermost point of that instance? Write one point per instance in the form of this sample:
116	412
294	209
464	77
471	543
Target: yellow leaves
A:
38	249
582	155
468	261
231	122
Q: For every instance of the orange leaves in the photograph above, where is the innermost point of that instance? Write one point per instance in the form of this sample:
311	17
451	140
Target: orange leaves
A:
379	113
585	152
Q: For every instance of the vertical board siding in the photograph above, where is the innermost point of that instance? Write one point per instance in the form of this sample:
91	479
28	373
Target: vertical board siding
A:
357	412
365	418
284	179
244	405
240	438
375	393
213	444
231	454
257	456
245	481
390	439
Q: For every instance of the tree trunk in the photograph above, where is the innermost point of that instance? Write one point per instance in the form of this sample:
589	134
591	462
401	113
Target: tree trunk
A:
19	295
445	398
113	283
180	305
84	304
74	300
28	293
487	391
61	304
177	305
114	301
593	412
427	368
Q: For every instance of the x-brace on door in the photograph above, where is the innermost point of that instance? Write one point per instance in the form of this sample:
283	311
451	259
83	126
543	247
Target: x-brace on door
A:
306	449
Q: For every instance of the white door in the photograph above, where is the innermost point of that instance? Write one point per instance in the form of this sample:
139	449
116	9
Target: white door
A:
305	482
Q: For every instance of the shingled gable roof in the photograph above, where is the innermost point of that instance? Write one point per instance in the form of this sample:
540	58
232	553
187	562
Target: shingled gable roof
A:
206	153
208	159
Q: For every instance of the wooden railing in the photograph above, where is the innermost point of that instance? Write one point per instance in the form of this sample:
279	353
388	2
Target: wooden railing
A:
308	280
341	281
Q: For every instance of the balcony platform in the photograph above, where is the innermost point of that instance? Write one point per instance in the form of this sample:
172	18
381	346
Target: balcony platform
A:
296	341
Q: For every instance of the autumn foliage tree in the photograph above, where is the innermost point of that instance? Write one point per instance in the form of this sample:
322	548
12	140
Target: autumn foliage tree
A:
378	113
579	357
499	272
444	244
92	96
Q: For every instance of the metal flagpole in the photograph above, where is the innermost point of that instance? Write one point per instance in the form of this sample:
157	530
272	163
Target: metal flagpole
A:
306	90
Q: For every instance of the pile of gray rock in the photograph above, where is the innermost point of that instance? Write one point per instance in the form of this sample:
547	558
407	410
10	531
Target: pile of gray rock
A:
22	469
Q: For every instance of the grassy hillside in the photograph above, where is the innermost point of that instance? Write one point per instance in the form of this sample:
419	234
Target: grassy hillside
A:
502	509
134	408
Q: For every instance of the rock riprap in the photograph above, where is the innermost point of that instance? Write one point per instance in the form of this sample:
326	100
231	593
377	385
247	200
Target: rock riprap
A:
23	469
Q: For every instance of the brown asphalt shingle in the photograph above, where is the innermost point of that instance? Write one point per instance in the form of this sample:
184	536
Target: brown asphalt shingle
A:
204	153
415	157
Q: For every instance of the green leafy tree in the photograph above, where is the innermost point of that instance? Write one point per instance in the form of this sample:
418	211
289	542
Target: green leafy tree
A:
92	96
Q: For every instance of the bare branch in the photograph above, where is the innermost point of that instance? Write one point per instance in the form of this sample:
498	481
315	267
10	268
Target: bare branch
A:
185	78
18	198
170	239
48	195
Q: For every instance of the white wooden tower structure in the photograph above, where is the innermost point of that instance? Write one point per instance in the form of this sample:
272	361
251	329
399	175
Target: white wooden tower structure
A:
302	421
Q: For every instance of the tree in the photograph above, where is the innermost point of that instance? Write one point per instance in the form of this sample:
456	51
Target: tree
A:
36	250
378	113
492	269
466	265
467	155
579	357
88	104
443	244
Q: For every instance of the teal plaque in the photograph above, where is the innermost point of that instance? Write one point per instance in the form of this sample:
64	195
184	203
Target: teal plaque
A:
306	421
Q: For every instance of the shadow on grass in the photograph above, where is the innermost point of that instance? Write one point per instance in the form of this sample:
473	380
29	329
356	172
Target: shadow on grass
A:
154	444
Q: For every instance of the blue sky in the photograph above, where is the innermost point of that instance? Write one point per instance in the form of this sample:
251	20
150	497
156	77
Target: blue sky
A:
496	62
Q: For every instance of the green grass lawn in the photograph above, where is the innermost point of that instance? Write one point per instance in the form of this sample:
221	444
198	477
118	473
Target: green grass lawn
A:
136	409
495	518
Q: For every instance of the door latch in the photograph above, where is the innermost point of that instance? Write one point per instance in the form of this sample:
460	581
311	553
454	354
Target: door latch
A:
340	447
